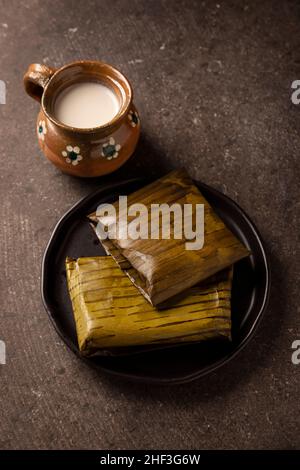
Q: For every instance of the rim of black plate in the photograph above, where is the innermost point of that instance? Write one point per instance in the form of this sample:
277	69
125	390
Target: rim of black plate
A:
131	376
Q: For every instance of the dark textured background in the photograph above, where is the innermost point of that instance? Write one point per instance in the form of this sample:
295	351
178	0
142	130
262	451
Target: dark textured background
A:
212	84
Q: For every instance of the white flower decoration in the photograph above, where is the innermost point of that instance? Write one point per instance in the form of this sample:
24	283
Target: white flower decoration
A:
110	149
42	130
133	118
72	154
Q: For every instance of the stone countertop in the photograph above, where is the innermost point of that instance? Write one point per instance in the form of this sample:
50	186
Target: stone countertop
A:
212	83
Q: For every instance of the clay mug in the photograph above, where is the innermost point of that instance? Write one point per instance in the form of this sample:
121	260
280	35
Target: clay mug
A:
91	151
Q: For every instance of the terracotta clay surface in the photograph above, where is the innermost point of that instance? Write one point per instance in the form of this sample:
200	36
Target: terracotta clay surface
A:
212	84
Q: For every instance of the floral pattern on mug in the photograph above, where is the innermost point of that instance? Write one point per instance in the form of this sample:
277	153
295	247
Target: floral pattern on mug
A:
110	149
72	155
133	118
42	130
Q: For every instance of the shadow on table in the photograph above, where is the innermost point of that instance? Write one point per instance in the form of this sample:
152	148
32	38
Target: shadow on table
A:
147	161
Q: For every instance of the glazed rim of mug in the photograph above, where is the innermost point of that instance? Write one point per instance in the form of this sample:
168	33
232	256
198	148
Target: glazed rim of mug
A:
83	71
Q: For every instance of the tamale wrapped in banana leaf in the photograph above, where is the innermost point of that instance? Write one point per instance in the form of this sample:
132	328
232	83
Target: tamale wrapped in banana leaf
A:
110	312
161	268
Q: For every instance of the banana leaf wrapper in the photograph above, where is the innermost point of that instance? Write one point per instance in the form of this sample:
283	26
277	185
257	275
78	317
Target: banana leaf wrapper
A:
162	268
110	312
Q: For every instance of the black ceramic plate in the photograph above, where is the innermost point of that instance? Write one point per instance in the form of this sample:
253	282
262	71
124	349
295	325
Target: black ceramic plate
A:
73	237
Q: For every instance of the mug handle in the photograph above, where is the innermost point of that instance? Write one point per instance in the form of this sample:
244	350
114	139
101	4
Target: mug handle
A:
36	78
